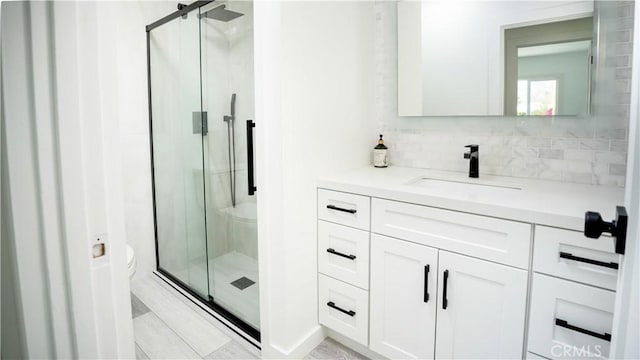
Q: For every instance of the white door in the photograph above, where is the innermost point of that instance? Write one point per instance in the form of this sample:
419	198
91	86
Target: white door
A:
624	342
403	298
481	309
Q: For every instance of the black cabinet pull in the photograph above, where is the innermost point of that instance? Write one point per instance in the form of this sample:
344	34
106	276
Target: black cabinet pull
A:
566	325
332	251
252	185
445	302
333	207
568	256
331	304
426	283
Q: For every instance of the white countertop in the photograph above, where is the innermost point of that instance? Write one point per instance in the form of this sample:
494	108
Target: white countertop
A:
549	203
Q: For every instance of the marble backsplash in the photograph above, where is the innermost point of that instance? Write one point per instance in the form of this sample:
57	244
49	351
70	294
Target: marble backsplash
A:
590	149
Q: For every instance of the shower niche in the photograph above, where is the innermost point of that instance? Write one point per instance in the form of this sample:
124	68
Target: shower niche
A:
201	111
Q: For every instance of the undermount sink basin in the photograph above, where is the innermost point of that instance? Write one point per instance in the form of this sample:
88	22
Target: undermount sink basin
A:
476	186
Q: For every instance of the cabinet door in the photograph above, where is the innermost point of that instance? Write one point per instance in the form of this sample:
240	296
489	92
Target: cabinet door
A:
402	298
481	309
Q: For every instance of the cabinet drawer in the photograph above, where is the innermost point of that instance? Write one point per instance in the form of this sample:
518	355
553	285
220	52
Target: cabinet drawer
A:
343	308
569	320
571	255
492	239
343	253
344	208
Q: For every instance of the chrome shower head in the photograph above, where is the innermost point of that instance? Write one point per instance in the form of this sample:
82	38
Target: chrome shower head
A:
220	13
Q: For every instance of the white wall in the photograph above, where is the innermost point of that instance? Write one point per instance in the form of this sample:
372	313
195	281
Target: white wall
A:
316	92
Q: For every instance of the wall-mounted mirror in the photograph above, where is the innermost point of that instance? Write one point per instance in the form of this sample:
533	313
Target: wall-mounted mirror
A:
461	57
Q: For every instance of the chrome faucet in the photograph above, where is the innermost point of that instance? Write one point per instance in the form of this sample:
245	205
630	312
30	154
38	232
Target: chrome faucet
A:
474	156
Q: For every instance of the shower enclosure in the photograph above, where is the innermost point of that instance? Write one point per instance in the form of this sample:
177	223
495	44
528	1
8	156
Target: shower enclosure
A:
200	68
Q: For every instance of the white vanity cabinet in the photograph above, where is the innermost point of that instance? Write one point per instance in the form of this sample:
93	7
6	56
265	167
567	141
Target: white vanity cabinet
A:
418	273
479	305
383	266
415	273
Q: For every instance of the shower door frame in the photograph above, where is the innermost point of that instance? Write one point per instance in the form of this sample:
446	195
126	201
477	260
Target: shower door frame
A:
245	328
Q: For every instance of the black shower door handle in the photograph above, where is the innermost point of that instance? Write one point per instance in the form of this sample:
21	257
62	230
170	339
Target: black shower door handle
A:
250	174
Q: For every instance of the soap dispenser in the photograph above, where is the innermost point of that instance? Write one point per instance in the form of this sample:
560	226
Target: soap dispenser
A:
380	156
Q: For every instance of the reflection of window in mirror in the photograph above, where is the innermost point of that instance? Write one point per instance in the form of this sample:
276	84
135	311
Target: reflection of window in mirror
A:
547	68
537	97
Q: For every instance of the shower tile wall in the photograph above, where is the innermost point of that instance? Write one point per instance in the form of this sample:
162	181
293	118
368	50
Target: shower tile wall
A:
227	53
590	149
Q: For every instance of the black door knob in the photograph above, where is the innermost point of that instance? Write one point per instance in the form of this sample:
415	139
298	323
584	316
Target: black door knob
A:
594	226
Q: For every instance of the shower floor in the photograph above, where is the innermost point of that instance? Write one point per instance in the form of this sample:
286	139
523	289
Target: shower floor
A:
242	270
224	270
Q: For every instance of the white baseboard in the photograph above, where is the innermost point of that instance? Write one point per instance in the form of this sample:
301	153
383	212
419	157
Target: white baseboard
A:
303	347
357	347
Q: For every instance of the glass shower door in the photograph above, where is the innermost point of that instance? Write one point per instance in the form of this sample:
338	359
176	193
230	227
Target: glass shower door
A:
228	98
201	93
177	148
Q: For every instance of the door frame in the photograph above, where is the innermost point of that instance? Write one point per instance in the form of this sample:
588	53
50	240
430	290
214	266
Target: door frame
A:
63	175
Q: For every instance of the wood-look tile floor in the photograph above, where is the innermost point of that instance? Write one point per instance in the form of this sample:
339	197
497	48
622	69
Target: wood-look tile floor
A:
331	349
166	327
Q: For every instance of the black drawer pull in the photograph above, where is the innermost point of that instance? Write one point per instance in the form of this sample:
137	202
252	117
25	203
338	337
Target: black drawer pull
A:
568	256
332	251
445	302
566	325
350	211
331	304
426	283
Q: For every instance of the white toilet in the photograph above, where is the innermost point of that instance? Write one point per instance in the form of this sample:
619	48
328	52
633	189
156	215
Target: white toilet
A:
131	261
